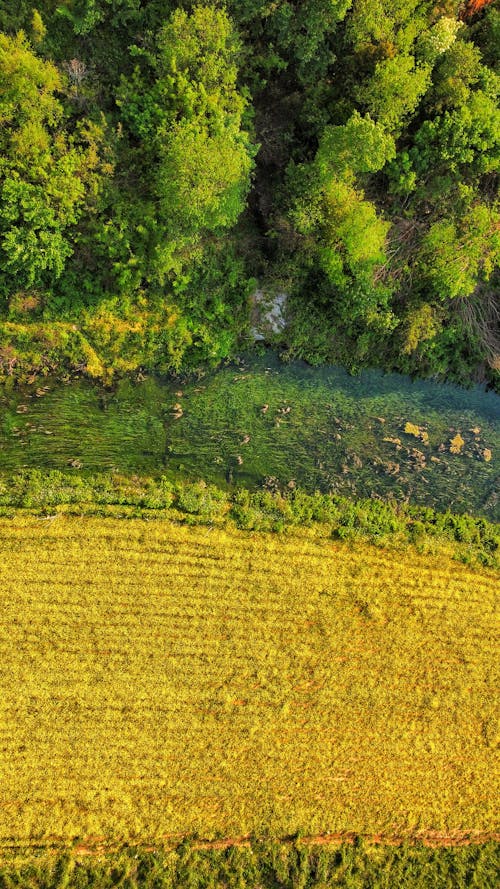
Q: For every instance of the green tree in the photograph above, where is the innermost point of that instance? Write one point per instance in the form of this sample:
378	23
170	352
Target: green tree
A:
44	173
395	90
184	110
342	229
455	256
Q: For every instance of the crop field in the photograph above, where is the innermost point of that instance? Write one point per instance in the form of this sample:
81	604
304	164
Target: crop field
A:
159	680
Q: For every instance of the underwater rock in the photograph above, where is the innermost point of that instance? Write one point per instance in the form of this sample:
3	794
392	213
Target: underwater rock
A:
395	441
456	444
391	468
417	431
418	457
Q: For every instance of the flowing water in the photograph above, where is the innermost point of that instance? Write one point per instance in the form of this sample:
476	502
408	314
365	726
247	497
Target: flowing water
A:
259	421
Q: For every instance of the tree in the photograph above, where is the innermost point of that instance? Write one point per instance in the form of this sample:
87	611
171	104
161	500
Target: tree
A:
342	228
394	91
44	173
185	112
455	256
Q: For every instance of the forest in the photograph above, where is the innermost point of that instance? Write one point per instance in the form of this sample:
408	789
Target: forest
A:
160	161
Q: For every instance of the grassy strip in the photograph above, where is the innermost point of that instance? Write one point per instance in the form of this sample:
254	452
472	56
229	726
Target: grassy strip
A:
161	679
265	866
469	539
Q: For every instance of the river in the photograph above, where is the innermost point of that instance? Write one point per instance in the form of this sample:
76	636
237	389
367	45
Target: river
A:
258	421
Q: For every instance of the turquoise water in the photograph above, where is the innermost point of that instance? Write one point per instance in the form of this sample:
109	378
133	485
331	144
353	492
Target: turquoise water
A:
262	422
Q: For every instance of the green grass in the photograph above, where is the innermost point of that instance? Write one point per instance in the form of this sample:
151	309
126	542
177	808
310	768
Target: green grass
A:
264	866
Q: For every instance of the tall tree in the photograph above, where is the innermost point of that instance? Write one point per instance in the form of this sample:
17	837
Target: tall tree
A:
184	114
44	172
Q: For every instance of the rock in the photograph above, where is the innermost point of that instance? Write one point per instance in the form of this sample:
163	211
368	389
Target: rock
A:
391	468
419	458
267	312
411	429
456	444
417	431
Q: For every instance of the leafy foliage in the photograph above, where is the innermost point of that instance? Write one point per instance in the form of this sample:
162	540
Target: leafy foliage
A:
466	538
43	171
345	151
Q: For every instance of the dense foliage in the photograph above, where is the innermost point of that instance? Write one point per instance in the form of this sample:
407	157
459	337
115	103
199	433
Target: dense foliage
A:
267	866
158	158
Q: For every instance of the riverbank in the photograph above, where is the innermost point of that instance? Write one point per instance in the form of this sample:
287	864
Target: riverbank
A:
50	495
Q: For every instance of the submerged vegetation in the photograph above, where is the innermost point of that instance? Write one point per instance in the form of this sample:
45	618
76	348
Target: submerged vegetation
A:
162	160
258	422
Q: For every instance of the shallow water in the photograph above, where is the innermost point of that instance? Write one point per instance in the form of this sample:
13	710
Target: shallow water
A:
260	421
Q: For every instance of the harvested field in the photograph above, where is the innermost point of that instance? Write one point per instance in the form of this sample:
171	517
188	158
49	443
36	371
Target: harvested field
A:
160	679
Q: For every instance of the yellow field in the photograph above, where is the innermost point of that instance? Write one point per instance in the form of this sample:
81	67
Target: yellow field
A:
160	679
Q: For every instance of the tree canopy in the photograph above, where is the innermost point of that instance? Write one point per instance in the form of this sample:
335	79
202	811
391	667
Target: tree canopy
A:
157	159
